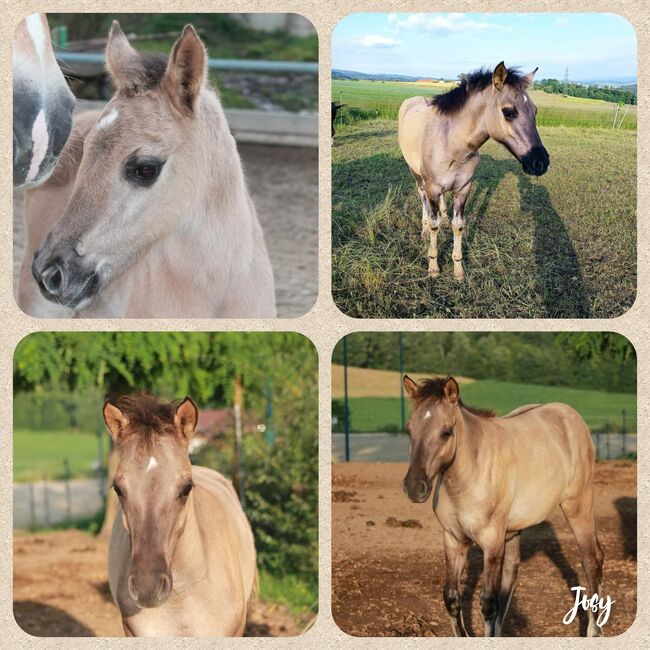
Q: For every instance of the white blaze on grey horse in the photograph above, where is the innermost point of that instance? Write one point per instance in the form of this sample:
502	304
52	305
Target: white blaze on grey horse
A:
181	556
148	214
494	476
42	103
440	139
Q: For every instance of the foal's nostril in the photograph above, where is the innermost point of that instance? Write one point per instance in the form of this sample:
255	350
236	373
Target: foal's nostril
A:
165	587
422	489
52	279
538	165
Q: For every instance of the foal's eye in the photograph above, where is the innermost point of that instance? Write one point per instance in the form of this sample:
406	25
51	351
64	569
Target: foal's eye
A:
143	171
447	433
509	112
117	490
184	493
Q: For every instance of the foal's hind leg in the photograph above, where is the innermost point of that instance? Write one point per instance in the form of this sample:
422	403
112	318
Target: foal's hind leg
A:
579	513
508	580
455	557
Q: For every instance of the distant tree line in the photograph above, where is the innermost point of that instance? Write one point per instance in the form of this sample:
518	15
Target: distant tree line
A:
591	360
606	93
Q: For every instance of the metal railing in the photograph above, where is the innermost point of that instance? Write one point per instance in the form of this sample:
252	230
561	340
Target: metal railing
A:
96	60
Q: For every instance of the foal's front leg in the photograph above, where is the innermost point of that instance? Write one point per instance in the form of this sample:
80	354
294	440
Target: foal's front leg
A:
493	552
458	225
455	557
431	220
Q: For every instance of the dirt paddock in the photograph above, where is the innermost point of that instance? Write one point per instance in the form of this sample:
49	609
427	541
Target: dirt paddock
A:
388	560
61	589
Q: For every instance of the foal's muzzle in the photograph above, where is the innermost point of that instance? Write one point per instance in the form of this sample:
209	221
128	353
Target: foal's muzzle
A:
63	277
150	589
418	490
536	161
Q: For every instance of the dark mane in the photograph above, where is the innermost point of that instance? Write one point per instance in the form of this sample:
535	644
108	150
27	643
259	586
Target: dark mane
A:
471	83
435	389
148	416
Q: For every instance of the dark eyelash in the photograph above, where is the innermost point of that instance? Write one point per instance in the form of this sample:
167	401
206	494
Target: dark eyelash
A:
186	490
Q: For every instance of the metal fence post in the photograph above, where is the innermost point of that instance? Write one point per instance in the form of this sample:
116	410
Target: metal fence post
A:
346	417
68	497
32	505
401	383
607	440
46	501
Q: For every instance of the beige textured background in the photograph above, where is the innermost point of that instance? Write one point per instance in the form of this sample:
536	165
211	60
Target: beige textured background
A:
324	324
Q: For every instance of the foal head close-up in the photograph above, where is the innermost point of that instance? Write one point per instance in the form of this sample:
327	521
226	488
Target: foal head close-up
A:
435	406
142	162
510	119
153	482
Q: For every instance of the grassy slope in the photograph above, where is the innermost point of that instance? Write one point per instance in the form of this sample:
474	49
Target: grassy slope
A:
563	245
596	407
39	453
378	99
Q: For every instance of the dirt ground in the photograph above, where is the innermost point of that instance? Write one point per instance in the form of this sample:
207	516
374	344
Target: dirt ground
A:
388	561
61	589
283	182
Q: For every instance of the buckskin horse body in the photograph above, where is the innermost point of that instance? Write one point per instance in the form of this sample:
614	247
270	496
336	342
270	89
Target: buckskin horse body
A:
492	477
181	555
440	139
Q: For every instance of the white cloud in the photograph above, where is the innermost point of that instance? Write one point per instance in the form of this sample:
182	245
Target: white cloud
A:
442	23
561	21
375	40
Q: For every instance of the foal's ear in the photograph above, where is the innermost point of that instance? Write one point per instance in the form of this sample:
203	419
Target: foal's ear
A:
410	386
452	391
122	60
186	70
499	76
186	418
116	421
528	79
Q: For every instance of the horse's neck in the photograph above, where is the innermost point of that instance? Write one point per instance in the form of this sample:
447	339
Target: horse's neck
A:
214	238
467	133
460	474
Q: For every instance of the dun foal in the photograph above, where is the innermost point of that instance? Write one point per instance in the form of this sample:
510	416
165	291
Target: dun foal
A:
147	214
181	556
440	139
494	477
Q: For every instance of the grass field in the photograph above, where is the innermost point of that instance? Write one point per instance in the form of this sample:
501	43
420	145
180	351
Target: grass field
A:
42	453
376	99
599	409
560	246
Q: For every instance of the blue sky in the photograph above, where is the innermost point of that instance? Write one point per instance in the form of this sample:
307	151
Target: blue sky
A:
592	46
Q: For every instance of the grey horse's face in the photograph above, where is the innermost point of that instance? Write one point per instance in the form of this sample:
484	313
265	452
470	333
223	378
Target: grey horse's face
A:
511	120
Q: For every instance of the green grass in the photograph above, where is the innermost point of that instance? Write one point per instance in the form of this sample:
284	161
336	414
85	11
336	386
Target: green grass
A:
562	245
601	411
298	594
376	99
41	453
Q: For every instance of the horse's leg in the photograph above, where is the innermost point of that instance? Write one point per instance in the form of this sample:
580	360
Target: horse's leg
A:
579	513
427	212
455	557
493	553
508	580
457	225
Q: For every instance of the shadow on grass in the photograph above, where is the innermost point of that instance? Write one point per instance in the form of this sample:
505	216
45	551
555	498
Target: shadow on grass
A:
360	186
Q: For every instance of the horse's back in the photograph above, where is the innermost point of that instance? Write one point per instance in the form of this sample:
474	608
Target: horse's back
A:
412	120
